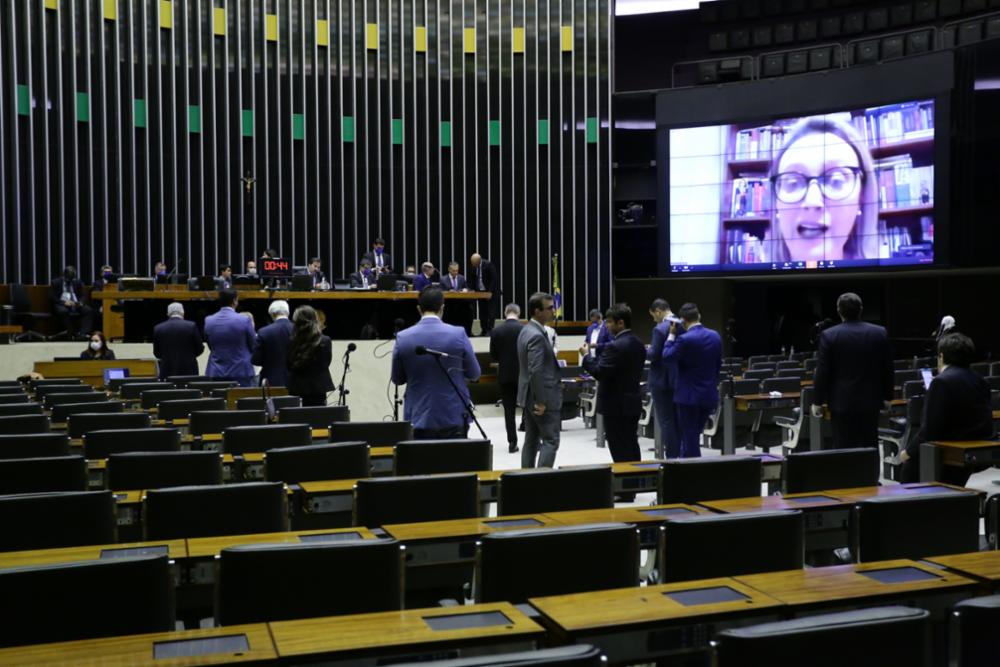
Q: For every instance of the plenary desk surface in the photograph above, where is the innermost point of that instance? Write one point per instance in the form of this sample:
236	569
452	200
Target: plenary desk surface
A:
855	583
825	498
187	648
893	491
209	547
983	565
466	528
174	549
333	295
408	632
746	402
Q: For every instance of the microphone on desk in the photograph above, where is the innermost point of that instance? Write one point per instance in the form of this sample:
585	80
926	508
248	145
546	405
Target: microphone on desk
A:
420	349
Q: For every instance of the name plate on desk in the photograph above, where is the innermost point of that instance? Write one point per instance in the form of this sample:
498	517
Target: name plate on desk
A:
130	552
713	595
512	523
899	575
330	537
192	648
467	621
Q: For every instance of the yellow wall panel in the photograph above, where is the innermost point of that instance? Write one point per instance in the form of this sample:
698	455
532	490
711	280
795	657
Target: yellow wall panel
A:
166	14
517	40
567	38
111	10
322	33
371	36
51	4
219	21
420	39
271	27
470	40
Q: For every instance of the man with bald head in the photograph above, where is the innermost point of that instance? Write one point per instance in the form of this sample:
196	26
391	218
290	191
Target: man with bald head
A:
484	277
177	344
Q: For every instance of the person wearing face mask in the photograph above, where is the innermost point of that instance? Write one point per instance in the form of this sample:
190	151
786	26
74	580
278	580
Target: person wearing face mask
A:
251	268
69	303
160	270
364	277
379	259
98	348
104	278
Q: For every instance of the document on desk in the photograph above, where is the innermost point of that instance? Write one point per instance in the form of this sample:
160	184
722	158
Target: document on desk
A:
192	648
467	621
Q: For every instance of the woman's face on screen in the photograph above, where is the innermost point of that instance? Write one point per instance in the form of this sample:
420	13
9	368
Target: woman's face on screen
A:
816	191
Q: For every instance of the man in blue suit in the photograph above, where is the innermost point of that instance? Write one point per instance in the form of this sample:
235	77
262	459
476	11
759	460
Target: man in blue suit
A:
662	375
270	351
431	404
425	278
230	337
698	355
597	335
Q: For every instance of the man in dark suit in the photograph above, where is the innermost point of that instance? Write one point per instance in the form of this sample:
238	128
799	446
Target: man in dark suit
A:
225	277
486	278
956	406
315	269
854	376
230	338
539	388
364	277
503	350
270	351
698	356
177	344
425	278
662	375
70	303
618	372
454	281
379	259
597	336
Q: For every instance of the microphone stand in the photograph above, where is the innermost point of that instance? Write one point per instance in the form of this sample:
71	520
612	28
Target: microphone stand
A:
343	392
396	400
466	404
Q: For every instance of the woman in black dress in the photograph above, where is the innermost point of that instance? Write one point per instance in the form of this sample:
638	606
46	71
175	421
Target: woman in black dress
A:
97	348
309	357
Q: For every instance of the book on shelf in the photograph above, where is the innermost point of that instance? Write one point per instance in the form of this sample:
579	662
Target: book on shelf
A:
743	247
892	124
758	142
751	197
893	178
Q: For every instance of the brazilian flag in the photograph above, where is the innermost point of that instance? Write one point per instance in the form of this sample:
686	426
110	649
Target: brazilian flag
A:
556	292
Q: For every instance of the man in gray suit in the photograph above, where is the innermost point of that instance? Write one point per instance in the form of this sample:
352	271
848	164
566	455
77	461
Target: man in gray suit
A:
539	388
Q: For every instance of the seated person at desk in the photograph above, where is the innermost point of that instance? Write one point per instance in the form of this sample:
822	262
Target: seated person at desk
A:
364	277
425	278
104	278
98	348
454	281
409	274
956	406
69	302
318	277
379	258
160	270
251	268
225	279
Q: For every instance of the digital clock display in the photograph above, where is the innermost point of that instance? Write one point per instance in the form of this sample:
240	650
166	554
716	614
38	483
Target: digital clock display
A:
275	268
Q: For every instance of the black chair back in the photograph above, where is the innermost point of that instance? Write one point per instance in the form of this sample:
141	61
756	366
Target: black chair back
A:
926	524
24	424
797	373
546	490
376	434
350	576
52	520
63	413
11	384
575	655
789	364
34	445
205	511
255	439
160	470
784	384
519	564
719	478
102	443
43	391
79	424
182	381
317	416
431	457
386	500
43	475
974	640
700	547
134	390
831	469
899	377
759	374
258	403
115	384
763	366
993	381
206	387
913	388
217	421
14	398
981	367
182	409
152	398
61	399
745	387
342	460
87	599
874	636
17	409
33	385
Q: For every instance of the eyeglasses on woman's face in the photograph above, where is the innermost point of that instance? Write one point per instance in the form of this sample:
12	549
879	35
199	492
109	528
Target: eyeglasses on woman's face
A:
835	184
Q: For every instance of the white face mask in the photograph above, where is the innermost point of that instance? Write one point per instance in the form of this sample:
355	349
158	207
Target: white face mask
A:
95	345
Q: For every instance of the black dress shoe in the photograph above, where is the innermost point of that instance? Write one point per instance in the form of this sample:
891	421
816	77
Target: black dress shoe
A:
521	427
512	448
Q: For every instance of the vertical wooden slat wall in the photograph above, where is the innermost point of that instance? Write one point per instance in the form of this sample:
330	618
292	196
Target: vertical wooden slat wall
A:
204	131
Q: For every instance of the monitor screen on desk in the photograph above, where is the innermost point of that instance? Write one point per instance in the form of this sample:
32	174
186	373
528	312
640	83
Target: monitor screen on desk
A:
114	374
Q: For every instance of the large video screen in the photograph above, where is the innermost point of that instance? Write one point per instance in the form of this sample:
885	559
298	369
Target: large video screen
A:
846	189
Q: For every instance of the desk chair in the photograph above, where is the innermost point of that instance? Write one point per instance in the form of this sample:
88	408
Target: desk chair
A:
875	636
24	424
317	416
981	367
17	409
701	547
258	403
207	386
520	564
430	457
42	391
376	434
744	387
342	460
65	412
61	399
88	599
133	390
182	381
783	384
974	640
205	511
21	313
33	385
913	388
14	398
777	357
115	385
545	490
993	381
930	524
575	655
43	475
899	377
81	424
33	445
151	398
895	437
804	472
103	443
759	374
160	470
255	439
277	582
792	426
53	520
797	373
991	519
756	359
732	369
386	500
810	364
717	478
763	366
182	409
790	364
217	421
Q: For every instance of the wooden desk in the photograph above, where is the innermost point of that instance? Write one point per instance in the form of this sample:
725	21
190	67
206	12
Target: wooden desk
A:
177	549
140	649
91	371
404	634
892	490
793	501
648	519
962	454
635	625
981	565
